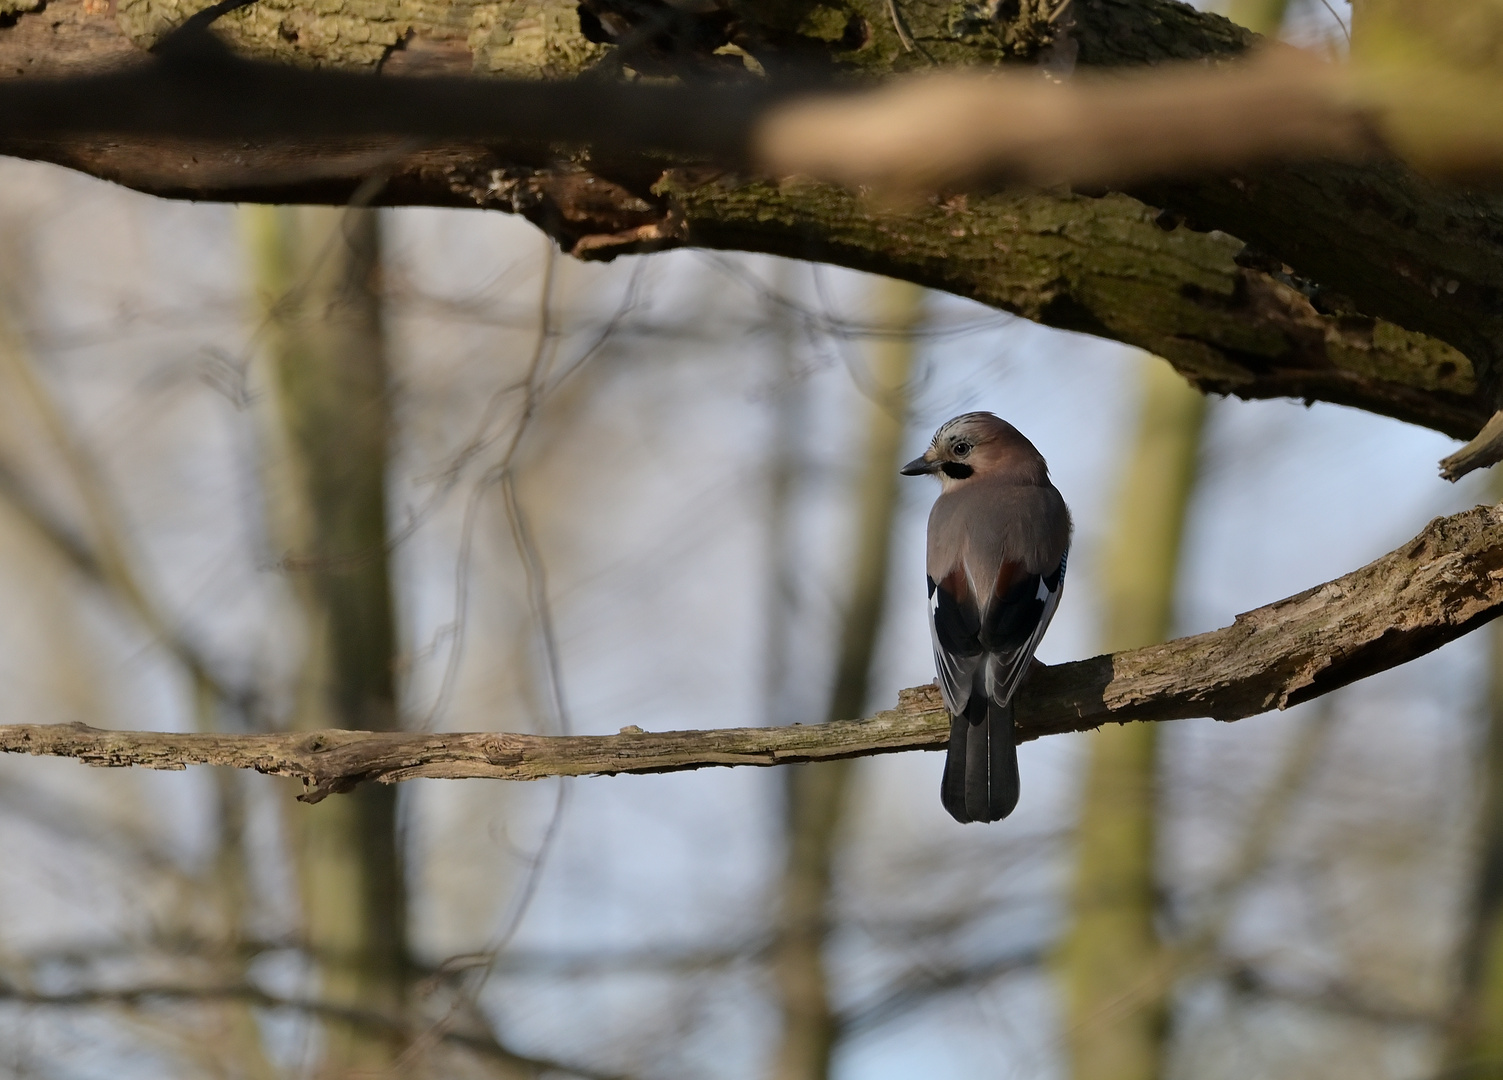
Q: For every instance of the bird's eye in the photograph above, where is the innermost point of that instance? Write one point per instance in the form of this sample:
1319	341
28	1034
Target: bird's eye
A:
961	449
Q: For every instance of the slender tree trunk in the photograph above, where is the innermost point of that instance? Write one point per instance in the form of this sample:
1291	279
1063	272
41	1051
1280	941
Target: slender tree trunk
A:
817	793
1115	1011
1475	1044
318	270
1262	16
229	882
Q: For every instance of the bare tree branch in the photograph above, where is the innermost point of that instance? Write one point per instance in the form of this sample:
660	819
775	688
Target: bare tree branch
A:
1245	977
916	988
1097	266
1439	586
955	128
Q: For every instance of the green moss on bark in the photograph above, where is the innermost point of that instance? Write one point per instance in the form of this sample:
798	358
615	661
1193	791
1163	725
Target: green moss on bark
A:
1423	259
1100	266
517	38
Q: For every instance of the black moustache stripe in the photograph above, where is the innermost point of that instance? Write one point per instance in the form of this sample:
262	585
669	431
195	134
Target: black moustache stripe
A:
955	470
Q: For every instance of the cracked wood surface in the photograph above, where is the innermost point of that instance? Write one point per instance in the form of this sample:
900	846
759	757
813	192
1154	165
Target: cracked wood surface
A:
1442	584
1378	254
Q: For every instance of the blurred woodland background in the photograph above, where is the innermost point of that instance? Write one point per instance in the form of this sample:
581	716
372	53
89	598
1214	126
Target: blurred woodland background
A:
279	468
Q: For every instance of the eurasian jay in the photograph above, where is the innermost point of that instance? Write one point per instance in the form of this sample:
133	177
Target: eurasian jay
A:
999	535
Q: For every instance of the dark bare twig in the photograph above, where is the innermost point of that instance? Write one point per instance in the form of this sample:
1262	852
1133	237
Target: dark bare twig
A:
917	988
504	474
1332	995
484	1045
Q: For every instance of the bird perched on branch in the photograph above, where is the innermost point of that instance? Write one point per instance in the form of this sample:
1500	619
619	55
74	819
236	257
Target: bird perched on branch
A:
999	535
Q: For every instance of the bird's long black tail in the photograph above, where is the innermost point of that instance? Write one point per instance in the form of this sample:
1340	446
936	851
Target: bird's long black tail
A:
981	765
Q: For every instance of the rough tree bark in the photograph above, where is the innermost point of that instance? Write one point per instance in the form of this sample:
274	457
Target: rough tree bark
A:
1374	248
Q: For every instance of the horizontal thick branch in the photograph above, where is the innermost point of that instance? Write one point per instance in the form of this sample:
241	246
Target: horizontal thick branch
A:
922	133
1444	583
1101	268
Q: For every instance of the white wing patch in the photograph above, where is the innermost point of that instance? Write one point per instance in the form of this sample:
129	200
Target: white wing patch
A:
1005	671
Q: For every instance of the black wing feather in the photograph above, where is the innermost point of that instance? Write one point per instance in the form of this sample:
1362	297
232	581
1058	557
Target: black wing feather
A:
981	659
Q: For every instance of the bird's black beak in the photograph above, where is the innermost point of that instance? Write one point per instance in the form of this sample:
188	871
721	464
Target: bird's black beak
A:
920	466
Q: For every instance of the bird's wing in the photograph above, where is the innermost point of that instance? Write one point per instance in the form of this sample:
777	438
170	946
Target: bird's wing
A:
955	630
1014	623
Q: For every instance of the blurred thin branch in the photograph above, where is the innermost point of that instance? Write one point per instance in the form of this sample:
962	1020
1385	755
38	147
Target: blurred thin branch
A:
371	1020
817	793
103	555
83	557
534	385
1197	951
1337	997
915	989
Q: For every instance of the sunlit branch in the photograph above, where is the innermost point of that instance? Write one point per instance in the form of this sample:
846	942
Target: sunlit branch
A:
1441	585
